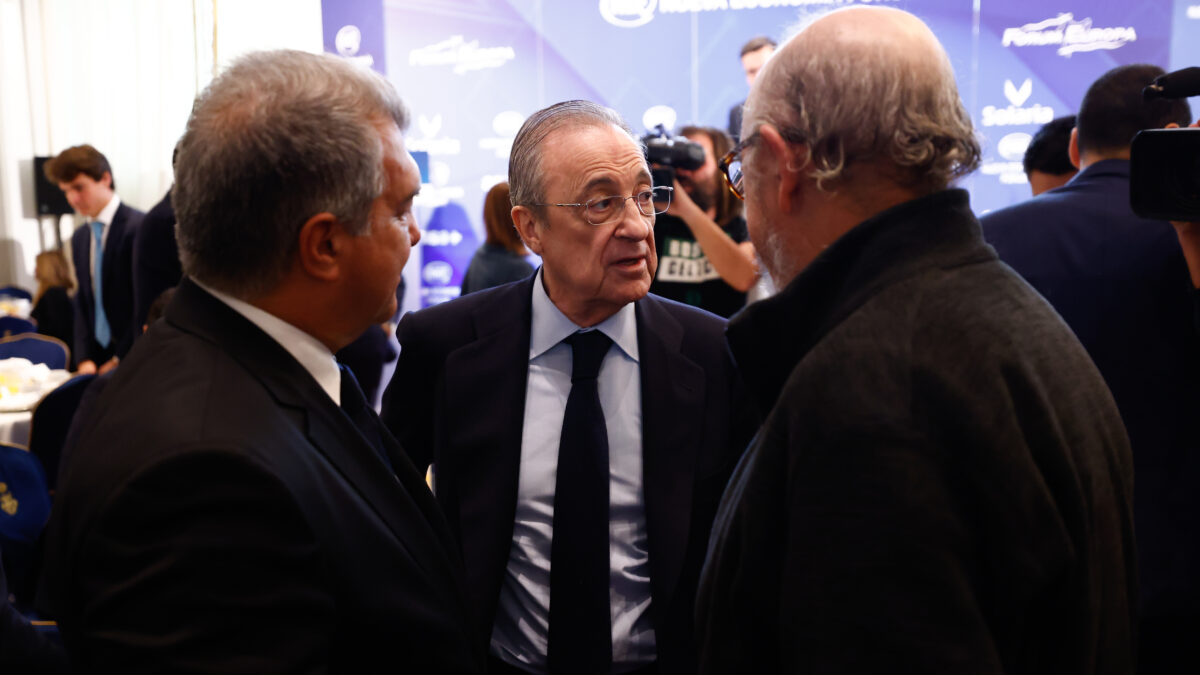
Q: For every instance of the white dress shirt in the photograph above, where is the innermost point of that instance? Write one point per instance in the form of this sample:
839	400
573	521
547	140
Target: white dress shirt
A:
521	628
312	354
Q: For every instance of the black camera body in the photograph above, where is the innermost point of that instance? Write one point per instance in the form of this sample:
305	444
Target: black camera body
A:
666	154
1164	171
1165	174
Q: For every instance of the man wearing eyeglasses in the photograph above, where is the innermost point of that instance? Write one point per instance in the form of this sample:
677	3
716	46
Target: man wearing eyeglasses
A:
580	430
943	483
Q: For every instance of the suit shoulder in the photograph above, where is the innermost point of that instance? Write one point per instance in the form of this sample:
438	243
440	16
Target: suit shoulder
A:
692	318
454	320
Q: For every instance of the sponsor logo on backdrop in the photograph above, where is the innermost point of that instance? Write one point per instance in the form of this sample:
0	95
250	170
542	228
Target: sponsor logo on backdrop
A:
634	13
462	55
506	125
660	114
1014	114
437	272
437	193
348	41
1011	149
430	126
1193	12
1069	35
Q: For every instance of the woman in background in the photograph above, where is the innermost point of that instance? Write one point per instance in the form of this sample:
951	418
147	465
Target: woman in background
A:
501	259
52	303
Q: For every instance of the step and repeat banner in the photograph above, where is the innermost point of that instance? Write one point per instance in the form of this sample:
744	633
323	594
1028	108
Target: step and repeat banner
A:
472	70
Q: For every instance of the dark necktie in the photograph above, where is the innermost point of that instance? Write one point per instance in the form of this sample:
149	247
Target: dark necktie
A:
580	639
354	403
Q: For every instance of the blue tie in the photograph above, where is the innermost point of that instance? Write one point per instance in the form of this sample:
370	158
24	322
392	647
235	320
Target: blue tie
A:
103	332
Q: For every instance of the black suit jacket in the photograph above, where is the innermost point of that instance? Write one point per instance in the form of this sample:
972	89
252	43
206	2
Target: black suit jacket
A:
156	264
221	514
458	398
117	274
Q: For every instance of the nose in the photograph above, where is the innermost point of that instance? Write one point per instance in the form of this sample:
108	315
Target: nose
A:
414	232
633	225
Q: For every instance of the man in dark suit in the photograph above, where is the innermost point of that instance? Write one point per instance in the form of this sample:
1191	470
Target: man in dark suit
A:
156	265
486	390
754	55
233	504
942	484
104	327
1121	283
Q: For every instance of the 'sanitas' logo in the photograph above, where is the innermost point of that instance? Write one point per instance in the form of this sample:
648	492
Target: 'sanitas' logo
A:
437	273
1014	114
464	56
1070	35
628	13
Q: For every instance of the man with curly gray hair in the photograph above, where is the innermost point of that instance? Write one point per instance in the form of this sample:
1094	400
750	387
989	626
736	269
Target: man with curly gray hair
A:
942	483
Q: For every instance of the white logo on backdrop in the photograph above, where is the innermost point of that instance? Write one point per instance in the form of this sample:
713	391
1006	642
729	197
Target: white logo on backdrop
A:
660	114
1012	147
627	13
634	13
1070	35
1193	12
1014	114
1017	96
438	192
431	126
464	56
506	125
437	272
348	40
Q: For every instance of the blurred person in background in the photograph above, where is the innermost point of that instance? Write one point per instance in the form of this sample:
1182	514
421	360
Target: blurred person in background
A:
52	302
1047	160
501	259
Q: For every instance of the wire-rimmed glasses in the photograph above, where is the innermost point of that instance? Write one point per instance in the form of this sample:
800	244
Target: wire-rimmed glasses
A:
610	208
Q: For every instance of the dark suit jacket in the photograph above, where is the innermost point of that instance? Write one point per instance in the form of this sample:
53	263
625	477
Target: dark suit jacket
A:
156	264
221	514
458	400
117	275
55	315
1121	283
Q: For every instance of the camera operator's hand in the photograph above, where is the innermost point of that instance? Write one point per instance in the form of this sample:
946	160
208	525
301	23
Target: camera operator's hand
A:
733	261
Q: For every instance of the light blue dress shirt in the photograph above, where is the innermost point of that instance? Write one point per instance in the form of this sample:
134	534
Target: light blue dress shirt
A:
519	635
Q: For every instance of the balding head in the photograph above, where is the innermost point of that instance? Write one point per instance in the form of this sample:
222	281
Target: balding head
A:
868	85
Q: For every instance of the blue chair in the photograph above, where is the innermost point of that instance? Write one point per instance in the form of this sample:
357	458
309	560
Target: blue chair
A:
24	509
16	292
37	348
52	420
15	325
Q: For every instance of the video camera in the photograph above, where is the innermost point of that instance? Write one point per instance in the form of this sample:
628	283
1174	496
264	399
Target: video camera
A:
666	154
1165	163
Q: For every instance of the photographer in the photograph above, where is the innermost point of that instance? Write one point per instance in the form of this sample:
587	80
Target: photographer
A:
705	258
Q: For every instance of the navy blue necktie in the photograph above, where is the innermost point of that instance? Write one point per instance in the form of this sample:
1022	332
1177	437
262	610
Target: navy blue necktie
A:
354	403
580	640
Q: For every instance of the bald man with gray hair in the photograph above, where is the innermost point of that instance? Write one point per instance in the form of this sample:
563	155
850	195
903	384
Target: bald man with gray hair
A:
942	483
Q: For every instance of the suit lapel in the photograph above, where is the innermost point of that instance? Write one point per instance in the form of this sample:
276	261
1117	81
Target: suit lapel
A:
484	411
672	413
110	262
330	431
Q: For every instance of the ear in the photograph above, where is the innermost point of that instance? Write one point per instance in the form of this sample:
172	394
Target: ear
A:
523	219
322	243
1073	148
791	177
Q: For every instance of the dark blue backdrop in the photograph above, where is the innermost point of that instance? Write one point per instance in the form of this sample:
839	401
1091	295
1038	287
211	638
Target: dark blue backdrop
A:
471	70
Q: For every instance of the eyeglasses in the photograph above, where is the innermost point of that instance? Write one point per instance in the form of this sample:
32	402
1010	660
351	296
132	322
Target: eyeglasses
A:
605	210
731	167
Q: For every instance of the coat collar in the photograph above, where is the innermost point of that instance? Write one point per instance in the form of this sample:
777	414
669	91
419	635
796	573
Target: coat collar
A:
769	337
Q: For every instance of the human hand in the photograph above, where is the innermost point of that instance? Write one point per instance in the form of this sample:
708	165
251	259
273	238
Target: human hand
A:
682	205
109	365
86	367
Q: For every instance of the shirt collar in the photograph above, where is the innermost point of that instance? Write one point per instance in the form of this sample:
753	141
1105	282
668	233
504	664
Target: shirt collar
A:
314	356
550	326
106	214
